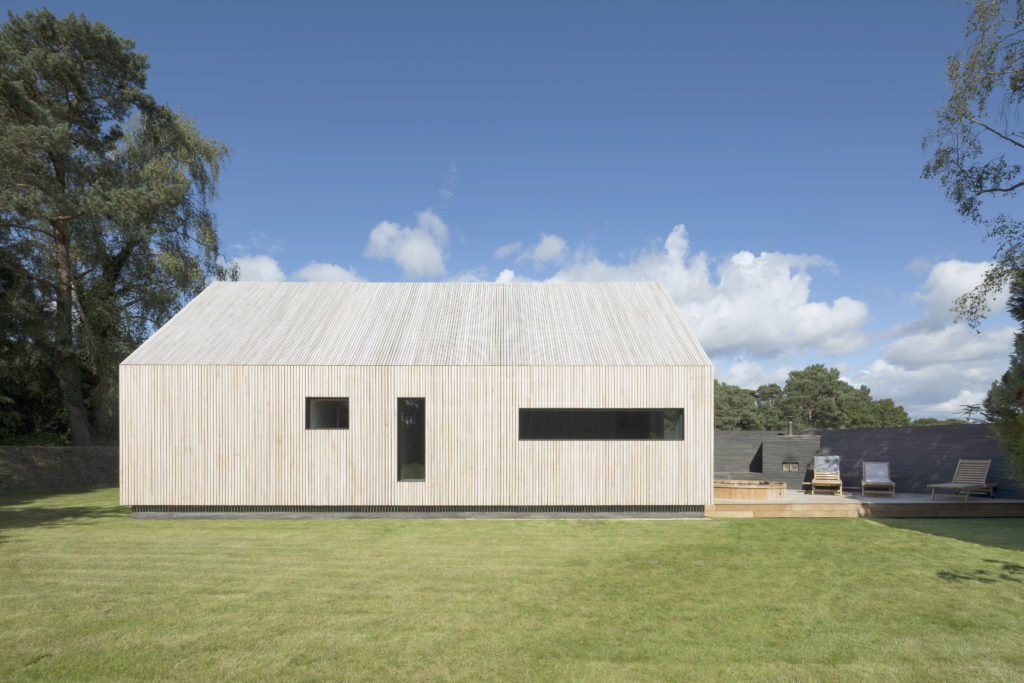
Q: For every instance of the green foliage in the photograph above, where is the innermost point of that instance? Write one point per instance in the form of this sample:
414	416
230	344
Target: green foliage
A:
811	396
888	414
1003	407
769	411
934	421
978	143
735	408
105	218
30	409
815	398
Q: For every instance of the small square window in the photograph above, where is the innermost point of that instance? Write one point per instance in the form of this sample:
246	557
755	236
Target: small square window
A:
790	467
326	413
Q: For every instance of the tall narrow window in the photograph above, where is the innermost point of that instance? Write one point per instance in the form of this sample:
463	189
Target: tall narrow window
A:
326	413
412	439
600	424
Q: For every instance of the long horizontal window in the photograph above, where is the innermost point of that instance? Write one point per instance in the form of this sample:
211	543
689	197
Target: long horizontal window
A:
326	413
600	424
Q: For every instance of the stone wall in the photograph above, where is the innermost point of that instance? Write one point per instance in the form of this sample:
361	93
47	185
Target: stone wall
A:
57	468
917	456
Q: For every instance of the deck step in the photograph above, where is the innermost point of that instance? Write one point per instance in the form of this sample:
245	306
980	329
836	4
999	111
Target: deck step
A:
734	509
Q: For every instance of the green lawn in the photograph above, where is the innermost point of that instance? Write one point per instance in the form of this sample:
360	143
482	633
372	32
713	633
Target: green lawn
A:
88	593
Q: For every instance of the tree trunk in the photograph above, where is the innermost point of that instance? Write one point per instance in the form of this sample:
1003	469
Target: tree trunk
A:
103	405
69	374
104	332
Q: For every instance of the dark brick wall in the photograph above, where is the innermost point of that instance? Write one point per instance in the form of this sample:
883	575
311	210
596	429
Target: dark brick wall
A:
56	468
759	455
738	454
917	456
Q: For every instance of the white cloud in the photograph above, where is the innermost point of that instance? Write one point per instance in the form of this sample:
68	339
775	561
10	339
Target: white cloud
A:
932	366
685	277
759	304
947	281
936	390
263	268
259	268
550	249
951	344
509	275
762	304
326	272
417	250
954	407
750	375
506	250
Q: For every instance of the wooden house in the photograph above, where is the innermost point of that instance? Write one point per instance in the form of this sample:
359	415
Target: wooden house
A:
419	397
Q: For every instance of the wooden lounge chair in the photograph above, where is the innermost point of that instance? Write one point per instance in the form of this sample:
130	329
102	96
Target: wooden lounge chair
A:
876	476
826	474
970	477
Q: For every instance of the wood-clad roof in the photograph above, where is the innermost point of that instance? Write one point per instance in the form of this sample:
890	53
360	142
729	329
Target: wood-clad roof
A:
375	323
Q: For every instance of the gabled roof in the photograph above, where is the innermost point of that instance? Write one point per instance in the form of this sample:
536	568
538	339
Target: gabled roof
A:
374	323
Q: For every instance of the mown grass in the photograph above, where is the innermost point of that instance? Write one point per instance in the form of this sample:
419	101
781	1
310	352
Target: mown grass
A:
87	593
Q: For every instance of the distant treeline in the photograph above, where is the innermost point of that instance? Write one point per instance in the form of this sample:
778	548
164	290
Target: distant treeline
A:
814	398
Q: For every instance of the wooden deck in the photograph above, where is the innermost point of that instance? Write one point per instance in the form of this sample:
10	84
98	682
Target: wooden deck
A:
800	504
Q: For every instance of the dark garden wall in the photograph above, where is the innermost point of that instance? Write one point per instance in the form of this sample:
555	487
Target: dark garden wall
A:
917	456
57	468
760	456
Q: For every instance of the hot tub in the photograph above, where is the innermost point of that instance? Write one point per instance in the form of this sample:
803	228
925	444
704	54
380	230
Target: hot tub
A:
741	489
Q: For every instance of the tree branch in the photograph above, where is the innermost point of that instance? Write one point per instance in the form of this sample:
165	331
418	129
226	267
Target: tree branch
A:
15	226
1002	189
21	271
65	219
995	132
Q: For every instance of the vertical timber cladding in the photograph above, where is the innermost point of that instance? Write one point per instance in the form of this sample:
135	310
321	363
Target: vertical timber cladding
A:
616	472
235	435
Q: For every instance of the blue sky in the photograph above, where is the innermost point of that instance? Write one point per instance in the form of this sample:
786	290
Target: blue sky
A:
572	140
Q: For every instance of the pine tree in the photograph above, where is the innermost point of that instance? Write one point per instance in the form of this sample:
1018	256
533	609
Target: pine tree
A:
104	205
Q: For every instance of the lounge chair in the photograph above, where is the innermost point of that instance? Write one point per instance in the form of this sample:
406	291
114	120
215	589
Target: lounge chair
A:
875	475
970	477
826	474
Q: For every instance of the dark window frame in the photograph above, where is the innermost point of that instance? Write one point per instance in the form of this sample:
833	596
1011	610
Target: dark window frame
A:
403	446
620	424
309	412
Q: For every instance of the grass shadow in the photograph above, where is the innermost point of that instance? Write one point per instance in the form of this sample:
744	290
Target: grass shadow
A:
1006	533
44	508
995	571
